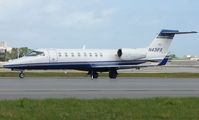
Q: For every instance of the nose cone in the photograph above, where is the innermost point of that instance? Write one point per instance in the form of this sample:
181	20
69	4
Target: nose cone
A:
15	64
12	63
9	64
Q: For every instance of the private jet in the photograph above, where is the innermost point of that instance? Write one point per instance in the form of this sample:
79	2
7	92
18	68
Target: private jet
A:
98	60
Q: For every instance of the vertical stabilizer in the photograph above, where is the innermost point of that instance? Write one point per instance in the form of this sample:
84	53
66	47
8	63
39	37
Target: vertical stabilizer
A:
159	46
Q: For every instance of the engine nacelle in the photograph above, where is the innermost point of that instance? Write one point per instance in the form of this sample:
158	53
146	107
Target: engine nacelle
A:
131	54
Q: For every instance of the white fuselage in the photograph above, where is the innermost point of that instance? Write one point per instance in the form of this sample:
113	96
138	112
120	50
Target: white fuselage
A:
80	59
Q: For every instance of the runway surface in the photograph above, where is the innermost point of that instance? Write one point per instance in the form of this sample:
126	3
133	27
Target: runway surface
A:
85	88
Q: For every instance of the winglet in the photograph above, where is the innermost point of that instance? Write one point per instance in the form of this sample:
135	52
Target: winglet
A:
164	61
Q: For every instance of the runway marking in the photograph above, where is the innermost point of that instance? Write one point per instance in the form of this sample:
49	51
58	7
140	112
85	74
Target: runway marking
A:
3	91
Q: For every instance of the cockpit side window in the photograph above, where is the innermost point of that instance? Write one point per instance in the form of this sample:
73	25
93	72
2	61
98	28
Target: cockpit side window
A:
35	53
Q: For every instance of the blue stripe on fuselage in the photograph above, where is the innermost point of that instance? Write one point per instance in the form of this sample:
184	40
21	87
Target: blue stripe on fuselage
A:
85	65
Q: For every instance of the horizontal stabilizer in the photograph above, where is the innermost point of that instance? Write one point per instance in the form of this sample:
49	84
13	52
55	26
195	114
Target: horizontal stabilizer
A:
169	34
179	32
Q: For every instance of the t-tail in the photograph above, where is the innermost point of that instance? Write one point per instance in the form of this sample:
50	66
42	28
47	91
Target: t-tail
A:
159	47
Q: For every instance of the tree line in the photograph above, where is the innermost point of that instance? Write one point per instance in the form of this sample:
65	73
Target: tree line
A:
15	53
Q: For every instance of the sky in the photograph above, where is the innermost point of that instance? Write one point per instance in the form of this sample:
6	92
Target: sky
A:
103	24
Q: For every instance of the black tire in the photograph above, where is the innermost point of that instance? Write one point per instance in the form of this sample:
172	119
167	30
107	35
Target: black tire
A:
95	75
113	74
21	75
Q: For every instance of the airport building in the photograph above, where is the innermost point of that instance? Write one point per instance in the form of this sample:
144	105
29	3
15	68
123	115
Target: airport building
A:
192	58
4	47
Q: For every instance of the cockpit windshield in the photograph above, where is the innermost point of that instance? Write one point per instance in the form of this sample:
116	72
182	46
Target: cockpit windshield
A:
35	53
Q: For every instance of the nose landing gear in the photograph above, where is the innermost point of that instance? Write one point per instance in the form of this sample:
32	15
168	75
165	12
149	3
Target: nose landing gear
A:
93	74
21	74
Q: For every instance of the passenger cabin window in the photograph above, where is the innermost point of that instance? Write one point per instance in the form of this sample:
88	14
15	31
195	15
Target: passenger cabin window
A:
78	54
35	53
96	55
72	54
90	54
59	54
66	54
101	55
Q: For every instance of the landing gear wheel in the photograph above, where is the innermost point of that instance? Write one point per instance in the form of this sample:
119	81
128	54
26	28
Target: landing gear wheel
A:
95	75
21	75
113	74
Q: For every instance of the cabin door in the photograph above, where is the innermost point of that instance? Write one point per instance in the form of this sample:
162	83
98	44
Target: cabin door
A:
52	56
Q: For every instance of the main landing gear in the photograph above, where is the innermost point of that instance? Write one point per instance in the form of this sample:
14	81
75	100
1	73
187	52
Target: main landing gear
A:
21	74
112	74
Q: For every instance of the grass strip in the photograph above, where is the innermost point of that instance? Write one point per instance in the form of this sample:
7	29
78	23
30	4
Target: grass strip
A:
101	109
60	74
